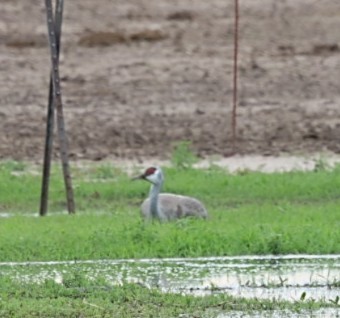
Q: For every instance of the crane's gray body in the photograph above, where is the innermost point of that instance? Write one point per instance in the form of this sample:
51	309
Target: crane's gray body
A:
167	206
172	207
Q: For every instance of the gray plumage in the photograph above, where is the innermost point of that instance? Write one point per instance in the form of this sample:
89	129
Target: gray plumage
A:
167	206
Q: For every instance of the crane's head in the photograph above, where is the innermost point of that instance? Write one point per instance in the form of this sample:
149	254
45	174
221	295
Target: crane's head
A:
152	174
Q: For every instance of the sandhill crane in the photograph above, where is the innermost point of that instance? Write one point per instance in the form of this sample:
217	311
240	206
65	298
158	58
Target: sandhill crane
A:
167	206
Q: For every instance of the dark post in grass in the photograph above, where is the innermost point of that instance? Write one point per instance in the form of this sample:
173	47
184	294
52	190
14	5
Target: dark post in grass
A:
50	118
55	101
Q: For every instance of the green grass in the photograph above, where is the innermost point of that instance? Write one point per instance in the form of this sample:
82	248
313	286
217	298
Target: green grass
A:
78	297
262	231
250	213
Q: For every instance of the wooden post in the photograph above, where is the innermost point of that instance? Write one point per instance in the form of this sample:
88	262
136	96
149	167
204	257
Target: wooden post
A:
50	118
59	106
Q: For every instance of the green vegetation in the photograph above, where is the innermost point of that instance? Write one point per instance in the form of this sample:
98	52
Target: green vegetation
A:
79	297
182	156
250	213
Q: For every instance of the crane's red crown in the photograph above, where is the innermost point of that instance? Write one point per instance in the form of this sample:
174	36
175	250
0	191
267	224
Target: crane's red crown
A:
149	171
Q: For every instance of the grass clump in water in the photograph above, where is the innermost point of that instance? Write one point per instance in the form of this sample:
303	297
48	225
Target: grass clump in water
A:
78	296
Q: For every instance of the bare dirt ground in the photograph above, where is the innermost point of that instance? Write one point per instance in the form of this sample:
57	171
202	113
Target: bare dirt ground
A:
138	76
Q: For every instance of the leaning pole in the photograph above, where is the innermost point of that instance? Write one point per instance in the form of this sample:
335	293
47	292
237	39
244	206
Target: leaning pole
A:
55	103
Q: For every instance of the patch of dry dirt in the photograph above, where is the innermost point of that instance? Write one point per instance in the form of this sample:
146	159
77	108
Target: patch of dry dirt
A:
139	75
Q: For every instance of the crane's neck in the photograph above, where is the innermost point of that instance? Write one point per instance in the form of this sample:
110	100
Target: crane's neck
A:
154	193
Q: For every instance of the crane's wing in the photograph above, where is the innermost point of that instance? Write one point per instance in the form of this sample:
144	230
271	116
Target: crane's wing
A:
172	206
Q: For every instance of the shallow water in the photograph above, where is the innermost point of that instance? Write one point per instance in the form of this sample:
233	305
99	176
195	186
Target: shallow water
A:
324	313
280	277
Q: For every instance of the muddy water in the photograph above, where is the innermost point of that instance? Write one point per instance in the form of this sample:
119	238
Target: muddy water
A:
281	277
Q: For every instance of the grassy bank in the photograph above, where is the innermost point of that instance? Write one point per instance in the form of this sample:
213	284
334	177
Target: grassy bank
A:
250	213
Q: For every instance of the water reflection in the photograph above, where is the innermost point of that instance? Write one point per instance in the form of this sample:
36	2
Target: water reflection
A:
280	277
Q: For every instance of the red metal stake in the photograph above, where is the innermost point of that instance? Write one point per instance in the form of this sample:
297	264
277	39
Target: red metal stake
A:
235	78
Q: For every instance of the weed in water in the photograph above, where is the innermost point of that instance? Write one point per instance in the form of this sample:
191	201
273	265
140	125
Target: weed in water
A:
90	298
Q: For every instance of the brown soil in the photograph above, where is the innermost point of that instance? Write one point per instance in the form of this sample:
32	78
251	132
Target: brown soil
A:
138	76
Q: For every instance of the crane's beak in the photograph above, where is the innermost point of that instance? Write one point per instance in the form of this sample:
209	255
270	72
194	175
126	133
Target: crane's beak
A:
142	176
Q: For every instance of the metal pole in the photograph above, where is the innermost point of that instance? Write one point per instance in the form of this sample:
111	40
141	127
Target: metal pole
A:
50	118
59	108
235	77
